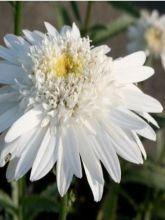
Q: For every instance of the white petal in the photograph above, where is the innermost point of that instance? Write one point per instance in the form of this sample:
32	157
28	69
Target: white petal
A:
64	172
75	31
163	60
70	145
133	75
6	149
34	37
125	118
29	120
8	55
46	157
149	118
12	40
27	157
147	132
9	73
11	97
10	172
125	145
47	162
51	29
88	155
96	187
65	30
15	148
103	49
132	60
8	117
105	151
139	143
108	156
141	102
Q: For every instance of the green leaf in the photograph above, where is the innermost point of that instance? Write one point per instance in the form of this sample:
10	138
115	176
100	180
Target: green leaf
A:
109	31
35	204
125	6
62	15
75	10
151	175
7	203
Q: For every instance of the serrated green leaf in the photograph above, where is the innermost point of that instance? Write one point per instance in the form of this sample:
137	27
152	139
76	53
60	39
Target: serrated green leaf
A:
7	203
116	27
125	6
75	10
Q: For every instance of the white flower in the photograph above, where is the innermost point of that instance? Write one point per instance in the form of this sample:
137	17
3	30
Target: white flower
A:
148	34
65	100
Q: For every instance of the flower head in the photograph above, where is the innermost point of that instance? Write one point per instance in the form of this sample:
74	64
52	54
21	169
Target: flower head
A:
64	100
148	34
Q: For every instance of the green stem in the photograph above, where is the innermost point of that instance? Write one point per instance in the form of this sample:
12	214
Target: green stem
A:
21	188
18	190
18	17
88	16
63	208
18	187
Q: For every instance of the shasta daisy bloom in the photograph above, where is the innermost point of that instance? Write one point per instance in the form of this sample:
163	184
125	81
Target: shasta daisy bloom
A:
68	104
148	34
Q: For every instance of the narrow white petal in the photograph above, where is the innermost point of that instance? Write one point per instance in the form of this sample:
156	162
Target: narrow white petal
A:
27	157
70	144
29	120
65	30
141	102
108	156
149	118
46	157
132	60
133	75
96	187
125	145
41	151
8	55
139	143
12	40
9	73
147	132
46	162
103	49
8	117
75	31
33	37
6	149
163	60
125	118
10	172
51	29
64	172
88	155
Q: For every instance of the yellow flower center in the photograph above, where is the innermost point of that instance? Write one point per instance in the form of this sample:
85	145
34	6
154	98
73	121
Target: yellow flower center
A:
153	37
67	64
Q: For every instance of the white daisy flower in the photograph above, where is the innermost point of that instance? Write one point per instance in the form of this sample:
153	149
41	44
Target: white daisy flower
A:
67	103
148	34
